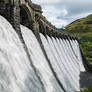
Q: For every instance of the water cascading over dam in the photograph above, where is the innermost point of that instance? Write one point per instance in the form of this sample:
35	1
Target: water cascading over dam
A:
38	61
18	75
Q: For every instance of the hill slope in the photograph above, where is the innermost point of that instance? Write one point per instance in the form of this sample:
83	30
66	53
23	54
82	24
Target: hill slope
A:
83	28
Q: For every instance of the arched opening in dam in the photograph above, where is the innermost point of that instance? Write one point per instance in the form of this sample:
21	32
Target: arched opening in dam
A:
24	18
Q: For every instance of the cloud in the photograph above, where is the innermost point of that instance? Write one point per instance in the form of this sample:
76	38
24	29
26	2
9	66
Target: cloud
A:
51	10
76	7
52	16
46	1
62	12
57	22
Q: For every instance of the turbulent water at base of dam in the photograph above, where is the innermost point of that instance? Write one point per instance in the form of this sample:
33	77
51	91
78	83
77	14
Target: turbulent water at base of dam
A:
19	74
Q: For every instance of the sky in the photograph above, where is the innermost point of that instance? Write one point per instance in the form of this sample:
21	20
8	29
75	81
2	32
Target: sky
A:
62	12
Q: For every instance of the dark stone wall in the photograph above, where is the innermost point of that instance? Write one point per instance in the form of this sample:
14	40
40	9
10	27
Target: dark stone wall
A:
30	15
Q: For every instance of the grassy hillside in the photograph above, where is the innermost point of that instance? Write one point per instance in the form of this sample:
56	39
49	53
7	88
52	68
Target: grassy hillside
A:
83	28
89	89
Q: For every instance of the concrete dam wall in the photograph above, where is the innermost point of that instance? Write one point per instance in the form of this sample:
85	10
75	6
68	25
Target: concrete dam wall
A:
19	74
35	56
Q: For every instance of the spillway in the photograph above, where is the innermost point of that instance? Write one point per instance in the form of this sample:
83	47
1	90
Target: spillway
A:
18	73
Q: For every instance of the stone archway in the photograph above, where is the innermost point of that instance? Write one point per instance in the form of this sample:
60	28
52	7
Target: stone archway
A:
26	16
24	19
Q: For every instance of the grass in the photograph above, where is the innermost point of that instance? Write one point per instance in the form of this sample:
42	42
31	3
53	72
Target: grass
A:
83	28
86	45
89	89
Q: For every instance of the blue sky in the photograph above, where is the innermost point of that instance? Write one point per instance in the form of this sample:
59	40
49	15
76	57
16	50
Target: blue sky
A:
62	12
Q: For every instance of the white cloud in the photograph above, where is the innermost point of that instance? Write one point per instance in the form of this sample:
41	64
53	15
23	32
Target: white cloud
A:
51	13
51	10
62	12
57	22
83	15
46	1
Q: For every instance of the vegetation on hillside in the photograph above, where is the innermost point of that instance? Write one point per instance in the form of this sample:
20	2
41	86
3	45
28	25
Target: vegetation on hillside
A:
89	89
83	28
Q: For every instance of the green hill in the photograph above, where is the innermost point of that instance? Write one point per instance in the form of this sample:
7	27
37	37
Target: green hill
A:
83	28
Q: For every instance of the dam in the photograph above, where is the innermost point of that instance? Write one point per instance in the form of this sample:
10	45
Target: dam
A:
35	56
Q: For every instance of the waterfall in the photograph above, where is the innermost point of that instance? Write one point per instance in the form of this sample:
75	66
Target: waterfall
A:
19	74
16	73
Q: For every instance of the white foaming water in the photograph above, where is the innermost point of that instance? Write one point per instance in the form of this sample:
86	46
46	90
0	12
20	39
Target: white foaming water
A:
76	50
40	62
68	66
72	64
20	74
16	73
53	58
60	69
